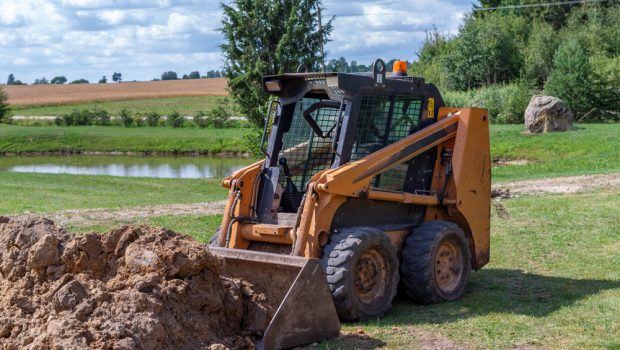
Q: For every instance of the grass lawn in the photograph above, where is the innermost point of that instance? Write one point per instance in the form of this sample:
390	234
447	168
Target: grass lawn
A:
25	192
553	282
20	139
183	105
589	149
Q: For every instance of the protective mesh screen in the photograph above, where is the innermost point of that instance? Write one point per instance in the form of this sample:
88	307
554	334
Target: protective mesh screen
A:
306	152
382	121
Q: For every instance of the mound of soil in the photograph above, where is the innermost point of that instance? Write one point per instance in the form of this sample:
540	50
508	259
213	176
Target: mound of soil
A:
132	288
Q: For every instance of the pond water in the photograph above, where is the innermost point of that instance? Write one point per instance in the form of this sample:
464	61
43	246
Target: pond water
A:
134	166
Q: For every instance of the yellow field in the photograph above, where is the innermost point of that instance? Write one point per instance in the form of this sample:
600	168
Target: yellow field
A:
30	95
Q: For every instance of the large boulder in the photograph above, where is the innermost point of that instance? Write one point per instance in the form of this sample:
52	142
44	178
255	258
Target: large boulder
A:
547	113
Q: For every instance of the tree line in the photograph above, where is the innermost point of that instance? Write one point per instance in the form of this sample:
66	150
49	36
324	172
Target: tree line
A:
570	51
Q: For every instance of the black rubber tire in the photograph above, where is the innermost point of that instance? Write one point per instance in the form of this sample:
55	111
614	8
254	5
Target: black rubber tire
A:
214	238
419	266
341	261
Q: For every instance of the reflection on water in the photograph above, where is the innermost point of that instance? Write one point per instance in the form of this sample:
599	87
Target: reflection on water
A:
160	167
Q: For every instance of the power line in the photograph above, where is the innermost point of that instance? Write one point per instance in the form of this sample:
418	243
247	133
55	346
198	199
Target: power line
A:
548	4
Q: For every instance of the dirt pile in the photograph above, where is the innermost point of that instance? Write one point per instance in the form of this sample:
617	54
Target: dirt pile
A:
132	288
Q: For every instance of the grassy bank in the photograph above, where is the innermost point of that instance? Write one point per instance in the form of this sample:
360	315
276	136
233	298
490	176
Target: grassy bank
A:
183	105
553	282
23	192
23	139
589	149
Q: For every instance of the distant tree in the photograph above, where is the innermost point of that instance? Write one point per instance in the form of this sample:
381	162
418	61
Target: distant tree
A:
170	75
219	74
570	76
59	80
185	76
103	80
80	81
117	77
10	80
538	58
266	38
194	75
41	81
211	74
5	109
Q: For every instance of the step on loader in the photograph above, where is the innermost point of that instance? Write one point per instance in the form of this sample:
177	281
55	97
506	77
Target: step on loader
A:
368	185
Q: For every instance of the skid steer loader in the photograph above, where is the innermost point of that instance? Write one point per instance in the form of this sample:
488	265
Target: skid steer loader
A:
368	185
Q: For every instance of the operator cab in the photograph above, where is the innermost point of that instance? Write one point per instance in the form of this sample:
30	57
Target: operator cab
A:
324	120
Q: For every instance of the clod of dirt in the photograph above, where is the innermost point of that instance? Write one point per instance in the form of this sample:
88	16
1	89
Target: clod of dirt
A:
132	288
500	193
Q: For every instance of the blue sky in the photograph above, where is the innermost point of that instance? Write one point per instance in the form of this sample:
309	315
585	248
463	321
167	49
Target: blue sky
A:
143	38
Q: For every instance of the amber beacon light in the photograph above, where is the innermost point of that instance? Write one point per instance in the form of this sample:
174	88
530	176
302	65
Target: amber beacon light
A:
400	69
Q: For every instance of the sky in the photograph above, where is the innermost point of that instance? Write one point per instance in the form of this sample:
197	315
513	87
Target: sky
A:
143	38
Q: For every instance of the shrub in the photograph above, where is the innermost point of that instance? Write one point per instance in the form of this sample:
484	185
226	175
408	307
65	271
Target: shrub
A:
58	121
152	118
218	118
200	120
570	77
83	117
5	109
126	119
100	117
140	119
175	120
251	140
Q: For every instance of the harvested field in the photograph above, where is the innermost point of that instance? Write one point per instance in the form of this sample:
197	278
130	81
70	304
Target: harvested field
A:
132	288
32	95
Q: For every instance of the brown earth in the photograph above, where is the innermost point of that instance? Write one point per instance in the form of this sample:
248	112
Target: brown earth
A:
132	288
50	94
565	184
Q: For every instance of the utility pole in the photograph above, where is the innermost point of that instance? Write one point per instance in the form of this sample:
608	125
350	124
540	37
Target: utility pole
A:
321	38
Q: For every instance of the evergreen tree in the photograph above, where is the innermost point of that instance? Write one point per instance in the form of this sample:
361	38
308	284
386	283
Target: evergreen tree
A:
266	37
570	76
4	105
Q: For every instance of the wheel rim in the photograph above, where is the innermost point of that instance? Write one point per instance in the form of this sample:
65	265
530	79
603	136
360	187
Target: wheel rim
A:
371	275
448	266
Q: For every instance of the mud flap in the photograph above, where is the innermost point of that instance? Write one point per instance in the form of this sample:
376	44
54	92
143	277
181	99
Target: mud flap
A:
295	288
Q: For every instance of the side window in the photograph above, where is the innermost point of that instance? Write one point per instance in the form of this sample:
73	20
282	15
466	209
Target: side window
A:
382	121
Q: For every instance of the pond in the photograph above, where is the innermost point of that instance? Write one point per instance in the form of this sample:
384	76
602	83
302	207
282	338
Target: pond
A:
133	166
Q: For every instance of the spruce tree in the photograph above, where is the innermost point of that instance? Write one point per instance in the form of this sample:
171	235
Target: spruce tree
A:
268	37
4	106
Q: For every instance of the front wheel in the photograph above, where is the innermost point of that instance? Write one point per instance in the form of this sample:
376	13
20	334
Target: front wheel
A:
436	263
362	273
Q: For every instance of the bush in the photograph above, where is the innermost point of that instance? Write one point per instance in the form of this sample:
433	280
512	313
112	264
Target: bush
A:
5	109
251	140
126	119
83	117
152	118
218	118
139	119
100	117
200	120
175	120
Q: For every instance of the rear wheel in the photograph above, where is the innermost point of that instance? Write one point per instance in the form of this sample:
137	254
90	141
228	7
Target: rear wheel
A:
436	263
362	273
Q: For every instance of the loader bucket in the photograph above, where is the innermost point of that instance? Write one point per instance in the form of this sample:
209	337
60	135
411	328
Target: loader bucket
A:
295	287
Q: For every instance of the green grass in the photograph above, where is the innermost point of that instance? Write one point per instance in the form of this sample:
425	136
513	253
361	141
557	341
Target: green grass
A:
183	105
24	192
200	227
589	149
23	139
553	282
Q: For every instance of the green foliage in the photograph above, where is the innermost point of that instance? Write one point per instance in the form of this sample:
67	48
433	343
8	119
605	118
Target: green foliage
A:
538	58
5	109
126	118
170	75
568	79
267	38
218	118
152	118
175	119
59	80
103	80
117	77
251	141
100	117
80	81
199	119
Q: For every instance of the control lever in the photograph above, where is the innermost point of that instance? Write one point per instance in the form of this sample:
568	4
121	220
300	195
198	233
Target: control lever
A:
290	186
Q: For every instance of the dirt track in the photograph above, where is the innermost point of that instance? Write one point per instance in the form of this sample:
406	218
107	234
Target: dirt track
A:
87	217
567	184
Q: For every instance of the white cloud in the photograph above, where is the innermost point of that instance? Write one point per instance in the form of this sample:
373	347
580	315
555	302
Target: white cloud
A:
142	38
